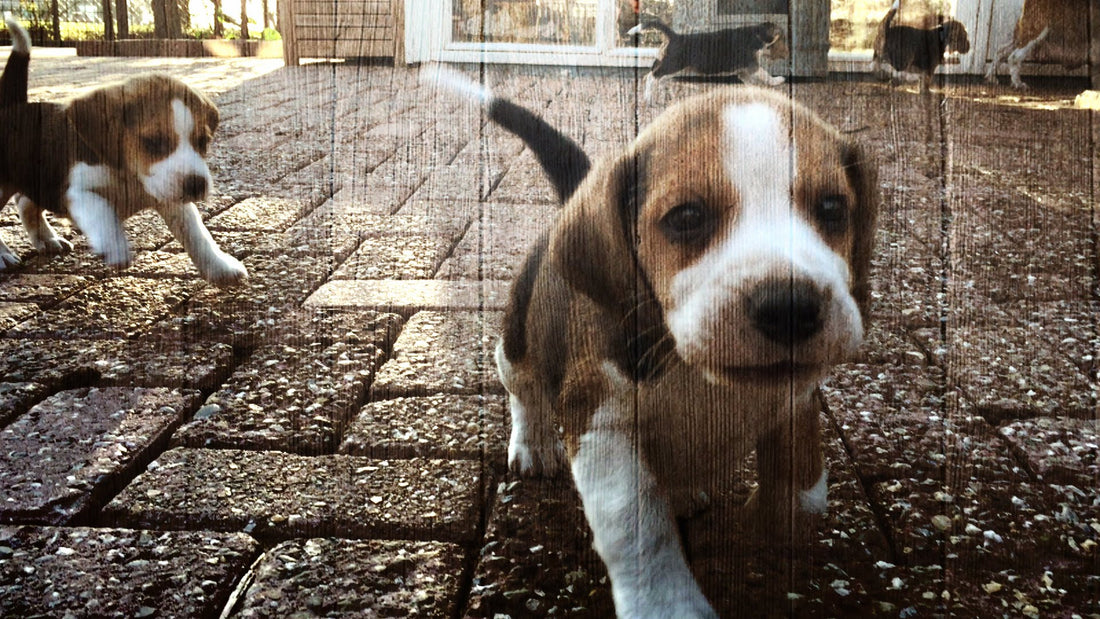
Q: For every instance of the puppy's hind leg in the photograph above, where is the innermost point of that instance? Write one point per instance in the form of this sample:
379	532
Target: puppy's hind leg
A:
41	234
760	77
534	448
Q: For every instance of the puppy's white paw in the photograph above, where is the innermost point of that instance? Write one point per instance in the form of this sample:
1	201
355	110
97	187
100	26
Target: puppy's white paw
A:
687	604
8	259
115	254
777	80
225	271
53	246
535	458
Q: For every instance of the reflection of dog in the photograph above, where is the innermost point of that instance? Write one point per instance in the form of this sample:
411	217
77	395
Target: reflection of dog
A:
919	51
1047	30
680	314
740	51
106	156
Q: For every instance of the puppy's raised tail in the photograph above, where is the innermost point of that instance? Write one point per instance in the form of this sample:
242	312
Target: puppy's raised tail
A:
652	23
889	18
13	82
561	158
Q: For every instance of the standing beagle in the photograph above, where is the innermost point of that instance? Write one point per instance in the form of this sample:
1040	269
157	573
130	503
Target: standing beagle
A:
679	314
105	156
1046	30
904	51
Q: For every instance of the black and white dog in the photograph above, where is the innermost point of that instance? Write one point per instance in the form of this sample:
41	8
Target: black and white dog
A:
902	51
739	51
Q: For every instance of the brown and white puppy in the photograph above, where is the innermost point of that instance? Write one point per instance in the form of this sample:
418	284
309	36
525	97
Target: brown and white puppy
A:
680	313
740	51
105	156
903	51
1047	30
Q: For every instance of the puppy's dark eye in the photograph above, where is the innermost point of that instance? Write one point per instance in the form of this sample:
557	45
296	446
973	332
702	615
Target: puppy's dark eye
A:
156	146
832	214
691	222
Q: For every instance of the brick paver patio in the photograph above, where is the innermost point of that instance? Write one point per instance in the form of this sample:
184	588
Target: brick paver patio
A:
329	439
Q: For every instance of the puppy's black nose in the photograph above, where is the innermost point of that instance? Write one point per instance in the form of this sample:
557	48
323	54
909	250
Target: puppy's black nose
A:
786	311
194	187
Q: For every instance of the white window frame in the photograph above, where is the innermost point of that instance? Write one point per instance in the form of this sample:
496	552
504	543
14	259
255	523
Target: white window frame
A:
428	36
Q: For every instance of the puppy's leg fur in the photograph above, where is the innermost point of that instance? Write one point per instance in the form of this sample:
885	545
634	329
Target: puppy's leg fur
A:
213	264
7	256
41	234
100	224
999	57
534	449
760	77
793	481
632	524
1016	59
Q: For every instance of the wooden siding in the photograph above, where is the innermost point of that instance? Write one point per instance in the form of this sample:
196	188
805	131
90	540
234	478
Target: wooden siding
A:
343	29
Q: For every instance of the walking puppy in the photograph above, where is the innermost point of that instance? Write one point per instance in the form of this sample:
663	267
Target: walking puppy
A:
106	156
909	50
680	313
740	51
1050	30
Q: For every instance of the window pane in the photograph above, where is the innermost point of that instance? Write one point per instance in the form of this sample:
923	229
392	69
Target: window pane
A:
627	15
564	22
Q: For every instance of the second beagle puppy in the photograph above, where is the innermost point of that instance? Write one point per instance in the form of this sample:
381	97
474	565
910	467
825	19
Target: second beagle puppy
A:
678	315
740	51
105	156
1046	30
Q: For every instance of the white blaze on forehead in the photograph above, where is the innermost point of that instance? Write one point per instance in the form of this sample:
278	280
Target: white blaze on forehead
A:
757	156
165	178
182	119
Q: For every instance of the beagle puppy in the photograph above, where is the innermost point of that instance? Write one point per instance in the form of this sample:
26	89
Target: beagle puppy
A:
740	51
1047	30
680	313
105	156
904	50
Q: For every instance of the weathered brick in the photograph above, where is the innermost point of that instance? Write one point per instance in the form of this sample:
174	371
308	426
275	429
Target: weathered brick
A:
442	426
280	495
69	452
293	398
71	572
349	578
442	352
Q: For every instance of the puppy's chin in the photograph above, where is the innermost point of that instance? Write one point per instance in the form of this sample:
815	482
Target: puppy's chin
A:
781	374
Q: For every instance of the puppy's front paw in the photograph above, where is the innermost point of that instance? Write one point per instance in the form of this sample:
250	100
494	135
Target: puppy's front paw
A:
535	458
53	246
115	255
225	271
776	80
8	259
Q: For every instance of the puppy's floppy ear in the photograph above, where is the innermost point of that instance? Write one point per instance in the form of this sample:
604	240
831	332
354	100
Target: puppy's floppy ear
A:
99	118
863	177
206	111
594	248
